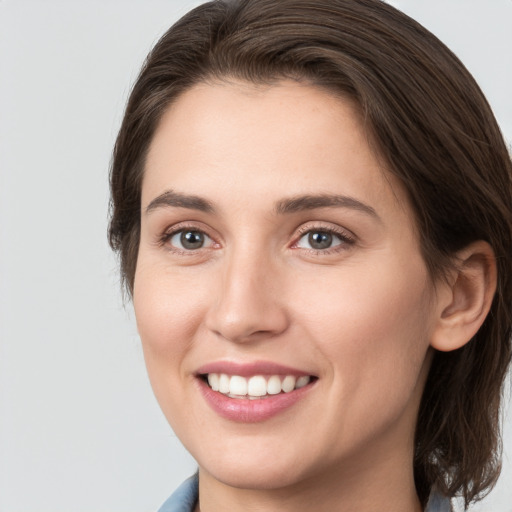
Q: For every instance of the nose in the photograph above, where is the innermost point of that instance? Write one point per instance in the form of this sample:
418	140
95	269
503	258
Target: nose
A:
248	304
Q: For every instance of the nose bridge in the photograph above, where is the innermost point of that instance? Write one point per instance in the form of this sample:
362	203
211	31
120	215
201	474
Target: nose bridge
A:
247	302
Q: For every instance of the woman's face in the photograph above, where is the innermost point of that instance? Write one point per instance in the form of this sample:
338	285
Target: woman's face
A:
276	253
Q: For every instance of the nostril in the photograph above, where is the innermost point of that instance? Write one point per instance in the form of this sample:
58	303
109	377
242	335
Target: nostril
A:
246	308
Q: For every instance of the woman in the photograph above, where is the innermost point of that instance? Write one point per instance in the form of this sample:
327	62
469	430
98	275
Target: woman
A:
312	205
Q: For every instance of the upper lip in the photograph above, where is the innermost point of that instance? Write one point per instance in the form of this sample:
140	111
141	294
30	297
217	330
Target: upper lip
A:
250	369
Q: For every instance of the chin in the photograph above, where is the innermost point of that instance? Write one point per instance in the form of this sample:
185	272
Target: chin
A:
257	471
247	476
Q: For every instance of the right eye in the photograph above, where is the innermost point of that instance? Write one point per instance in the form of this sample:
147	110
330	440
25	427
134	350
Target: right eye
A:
189	240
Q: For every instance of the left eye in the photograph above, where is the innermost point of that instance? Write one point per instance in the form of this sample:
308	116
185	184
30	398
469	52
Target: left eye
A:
319	240
190	240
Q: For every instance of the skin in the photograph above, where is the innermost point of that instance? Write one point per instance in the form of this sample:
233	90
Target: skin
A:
360	315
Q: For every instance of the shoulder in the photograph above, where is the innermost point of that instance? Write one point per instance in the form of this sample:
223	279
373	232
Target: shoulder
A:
438	503
184	498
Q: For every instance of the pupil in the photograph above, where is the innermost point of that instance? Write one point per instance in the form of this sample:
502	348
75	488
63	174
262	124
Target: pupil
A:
192	239
320	240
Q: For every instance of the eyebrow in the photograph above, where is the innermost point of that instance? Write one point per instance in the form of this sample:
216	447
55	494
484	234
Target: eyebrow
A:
171	198
174	199
312	202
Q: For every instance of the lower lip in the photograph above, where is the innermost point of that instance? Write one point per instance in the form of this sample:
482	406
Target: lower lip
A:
244	410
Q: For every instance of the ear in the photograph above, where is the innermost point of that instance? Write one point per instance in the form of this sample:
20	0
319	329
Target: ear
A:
465	301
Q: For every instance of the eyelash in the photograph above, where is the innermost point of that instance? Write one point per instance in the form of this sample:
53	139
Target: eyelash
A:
346	239
165	238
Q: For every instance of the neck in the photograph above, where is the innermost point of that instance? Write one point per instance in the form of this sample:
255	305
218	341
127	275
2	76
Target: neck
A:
364	486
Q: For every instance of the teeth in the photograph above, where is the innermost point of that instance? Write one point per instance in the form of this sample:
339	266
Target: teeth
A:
288	383
302	381
274	385
238	385
257	386
224	383
213	380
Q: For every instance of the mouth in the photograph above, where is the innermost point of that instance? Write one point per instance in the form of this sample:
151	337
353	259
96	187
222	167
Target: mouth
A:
252	392
255	387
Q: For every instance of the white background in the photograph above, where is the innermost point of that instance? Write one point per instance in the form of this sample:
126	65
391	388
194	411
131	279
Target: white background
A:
79	427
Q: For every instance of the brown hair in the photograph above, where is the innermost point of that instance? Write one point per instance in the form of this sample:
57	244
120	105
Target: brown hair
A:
430	124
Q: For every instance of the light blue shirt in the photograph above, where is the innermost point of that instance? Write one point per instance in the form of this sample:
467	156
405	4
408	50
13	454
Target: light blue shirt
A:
184	499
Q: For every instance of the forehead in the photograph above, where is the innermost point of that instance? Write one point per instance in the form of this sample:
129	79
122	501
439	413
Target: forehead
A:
286	138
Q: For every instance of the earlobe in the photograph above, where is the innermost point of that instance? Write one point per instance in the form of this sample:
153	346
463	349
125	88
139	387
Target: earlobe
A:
466	300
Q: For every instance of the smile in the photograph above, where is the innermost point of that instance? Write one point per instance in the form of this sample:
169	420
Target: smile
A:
255	387
253	392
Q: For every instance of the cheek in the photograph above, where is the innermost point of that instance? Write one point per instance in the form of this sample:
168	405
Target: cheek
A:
168	309
367	302
373	329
